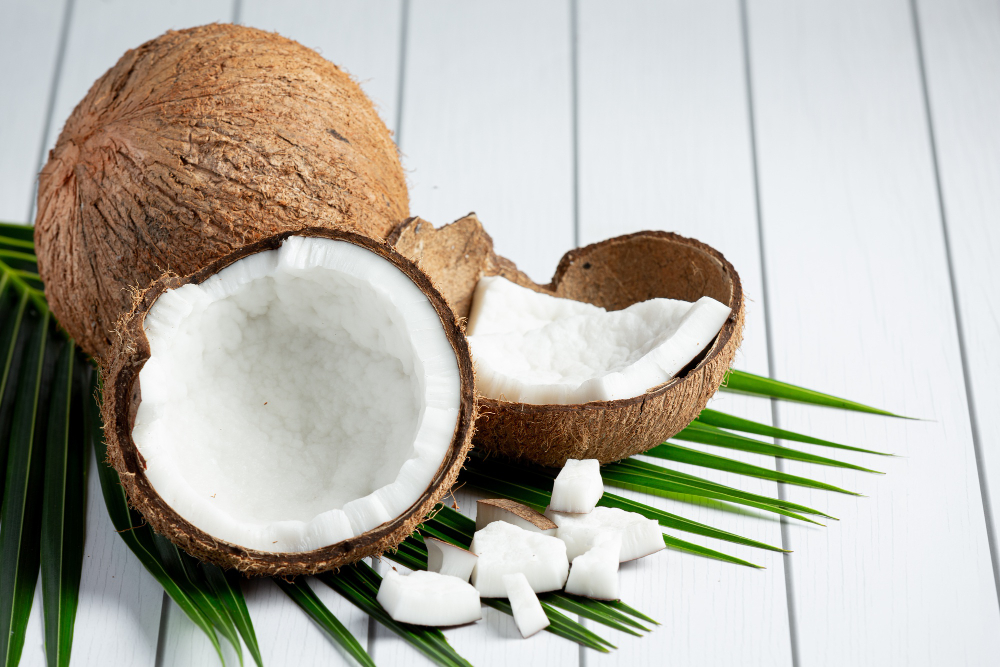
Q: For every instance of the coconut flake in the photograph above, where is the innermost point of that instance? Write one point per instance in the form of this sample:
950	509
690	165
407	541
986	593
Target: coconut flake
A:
448	559
528	613
578	487
536	348
594	573
428	598
508	511
297	398
505	549
580	532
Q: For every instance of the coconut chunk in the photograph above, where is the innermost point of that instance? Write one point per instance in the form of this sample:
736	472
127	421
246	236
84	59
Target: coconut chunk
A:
594	573
580	532
428	598
578	487
501	509
505	549
528	613
446	558
536	348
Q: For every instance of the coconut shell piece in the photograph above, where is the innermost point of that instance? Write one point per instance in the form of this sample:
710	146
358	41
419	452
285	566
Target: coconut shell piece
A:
194	144
122	395
614	274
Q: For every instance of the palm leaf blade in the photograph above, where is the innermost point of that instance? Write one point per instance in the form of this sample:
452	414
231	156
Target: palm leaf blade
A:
306	598
20	525
227	588
63	508
723	420
757	385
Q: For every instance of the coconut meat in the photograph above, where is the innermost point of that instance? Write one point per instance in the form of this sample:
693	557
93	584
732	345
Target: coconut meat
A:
505	549
529	616
536	348
299	397
512	512
577	487
428	598
580	532
449	559
594	573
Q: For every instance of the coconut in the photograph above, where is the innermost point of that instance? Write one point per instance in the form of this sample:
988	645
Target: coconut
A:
195	144
639	536
578	487
449	559
504	548
512	512
293	407
594	573
529	616
429	598
613	274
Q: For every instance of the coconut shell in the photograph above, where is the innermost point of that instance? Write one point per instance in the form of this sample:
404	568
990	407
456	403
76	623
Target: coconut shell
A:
197	143
613	274
122	395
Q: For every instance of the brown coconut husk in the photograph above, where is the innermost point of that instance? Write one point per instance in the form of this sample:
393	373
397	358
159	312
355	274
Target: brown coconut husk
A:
122	395
194	144
613	274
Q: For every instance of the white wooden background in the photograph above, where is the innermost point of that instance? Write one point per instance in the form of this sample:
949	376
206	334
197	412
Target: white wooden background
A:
845	155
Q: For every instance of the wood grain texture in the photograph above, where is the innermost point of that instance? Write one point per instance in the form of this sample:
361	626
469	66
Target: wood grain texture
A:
961	48
29	47
665	144
487	123
861	307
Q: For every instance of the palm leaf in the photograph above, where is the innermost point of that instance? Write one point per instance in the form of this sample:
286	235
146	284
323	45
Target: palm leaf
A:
672	452
20	525
63	508
710	435
756	385
722	420
227	588
300	592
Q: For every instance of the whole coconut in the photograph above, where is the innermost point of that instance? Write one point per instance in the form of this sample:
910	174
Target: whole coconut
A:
194	144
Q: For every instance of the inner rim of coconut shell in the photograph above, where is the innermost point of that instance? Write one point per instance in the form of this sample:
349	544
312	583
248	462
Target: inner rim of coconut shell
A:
297	398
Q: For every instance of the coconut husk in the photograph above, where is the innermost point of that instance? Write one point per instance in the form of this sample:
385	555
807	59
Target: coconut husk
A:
197	143
122	395
612	274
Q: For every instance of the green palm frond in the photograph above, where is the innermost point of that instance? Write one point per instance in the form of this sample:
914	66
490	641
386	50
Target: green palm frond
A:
304	596
757	385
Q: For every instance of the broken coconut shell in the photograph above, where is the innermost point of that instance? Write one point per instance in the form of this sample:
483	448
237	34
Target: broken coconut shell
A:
122	396
194	144
613	274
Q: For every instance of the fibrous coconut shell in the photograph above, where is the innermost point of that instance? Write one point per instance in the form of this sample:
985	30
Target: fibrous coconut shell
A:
122	394
197	143
613	274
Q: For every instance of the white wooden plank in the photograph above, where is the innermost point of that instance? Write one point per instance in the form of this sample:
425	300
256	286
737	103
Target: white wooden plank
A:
29	46
665	144
861	306
961	45
487	123
361	36
486	126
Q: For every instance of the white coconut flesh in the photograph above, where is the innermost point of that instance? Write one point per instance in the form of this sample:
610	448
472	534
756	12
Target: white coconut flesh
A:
428	598
448	559
297	398
529	616
497	509
577	487
505	549
536	348
580	532
594	573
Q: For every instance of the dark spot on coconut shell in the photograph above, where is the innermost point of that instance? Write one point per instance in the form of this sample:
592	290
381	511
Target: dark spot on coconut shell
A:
338	135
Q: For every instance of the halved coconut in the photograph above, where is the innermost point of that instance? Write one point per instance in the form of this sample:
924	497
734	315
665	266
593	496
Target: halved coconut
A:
291	408
613	274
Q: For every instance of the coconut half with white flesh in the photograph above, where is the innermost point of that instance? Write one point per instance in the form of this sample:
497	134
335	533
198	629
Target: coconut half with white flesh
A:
607	407
293	407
